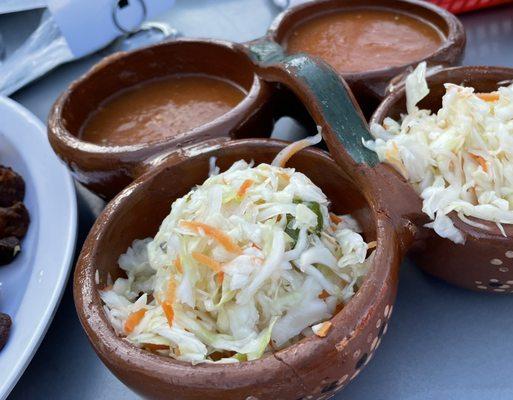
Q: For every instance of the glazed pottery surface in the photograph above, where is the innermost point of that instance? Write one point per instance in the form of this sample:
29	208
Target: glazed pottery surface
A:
158	173
485	261
105	170
370	87
314	368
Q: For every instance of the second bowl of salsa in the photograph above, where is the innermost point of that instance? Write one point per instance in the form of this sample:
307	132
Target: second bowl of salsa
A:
370	42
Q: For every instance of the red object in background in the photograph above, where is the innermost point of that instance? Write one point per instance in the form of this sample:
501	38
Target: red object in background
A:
461	6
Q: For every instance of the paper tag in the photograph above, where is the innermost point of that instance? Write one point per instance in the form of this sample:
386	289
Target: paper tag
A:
90	25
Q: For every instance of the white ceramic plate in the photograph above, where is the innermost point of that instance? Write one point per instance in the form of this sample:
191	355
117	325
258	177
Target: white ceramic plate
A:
32	285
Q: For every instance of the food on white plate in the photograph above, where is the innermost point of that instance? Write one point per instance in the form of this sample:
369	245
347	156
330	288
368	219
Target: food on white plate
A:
12	187
14	222
459	159
5	327
248	262
14	217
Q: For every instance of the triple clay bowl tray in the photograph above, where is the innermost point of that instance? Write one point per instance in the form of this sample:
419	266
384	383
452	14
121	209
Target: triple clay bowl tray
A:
141	180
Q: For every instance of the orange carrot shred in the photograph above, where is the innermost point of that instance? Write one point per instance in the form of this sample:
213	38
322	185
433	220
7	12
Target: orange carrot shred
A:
323	330
290	150
284	176
323	295
222	238
168	312
133	320
170	292
178	265
480	160
155	347
492	96
206	260
220	278
335	218
244	187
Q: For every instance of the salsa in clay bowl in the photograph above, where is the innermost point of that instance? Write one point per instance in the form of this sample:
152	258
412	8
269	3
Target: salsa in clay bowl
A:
371	42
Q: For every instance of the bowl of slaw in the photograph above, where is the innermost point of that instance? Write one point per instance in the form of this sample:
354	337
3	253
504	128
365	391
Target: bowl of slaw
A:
465	231
314	365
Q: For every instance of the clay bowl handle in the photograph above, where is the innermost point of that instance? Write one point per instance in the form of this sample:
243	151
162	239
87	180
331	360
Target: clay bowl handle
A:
333	107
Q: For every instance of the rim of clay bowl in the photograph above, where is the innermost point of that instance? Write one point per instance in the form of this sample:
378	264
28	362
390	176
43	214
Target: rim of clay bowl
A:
62	140
119	354
466	75
452	46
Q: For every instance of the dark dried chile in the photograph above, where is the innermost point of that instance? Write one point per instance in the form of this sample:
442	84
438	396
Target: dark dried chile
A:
12	187
5	327
14	220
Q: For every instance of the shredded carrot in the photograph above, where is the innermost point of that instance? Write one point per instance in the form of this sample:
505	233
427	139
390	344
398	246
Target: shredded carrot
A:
392	153
133	320
155	347
335	218
206	260
323	295
178	265
323	331
284	176
167	304
220	278
222	238
372	244
492	96
170	292
339	308
480	160
244	187
285	154
168	312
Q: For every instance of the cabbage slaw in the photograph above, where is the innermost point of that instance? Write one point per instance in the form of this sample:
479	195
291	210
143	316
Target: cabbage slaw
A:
459	159
247	262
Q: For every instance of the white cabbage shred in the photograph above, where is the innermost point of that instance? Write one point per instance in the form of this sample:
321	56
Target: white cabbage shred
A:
459	159
248	261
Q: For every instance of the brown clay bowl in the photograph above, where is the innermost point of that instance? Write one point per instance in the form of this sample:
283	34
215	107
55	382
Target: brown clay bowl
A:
314	368
370	87
107	169
485	262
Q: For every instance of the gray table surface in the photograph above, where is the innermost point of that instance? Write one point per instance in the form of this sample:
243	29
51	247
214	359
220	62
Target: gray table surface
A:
442	343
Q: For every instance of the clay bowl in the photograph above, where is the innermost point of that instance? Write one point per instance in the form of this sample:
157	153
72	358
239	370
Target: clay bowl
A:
107	169
370	87
314	368
485	262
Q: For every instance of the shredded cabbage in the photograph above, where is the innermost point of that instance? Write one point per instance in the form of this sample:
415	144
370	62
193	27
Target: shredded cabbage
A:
248	261
459	159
